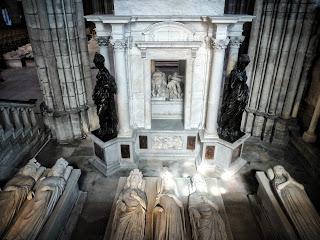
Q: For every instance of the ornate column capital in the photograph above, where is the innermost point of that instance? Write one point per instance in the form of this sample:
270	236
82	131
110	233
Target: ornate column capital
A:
118	43
236	41
103	40
220	43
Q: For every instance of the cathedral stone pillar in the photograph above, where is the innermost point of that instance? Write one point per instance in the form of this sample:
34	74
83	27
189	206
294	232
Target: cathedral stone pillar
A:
119	44
211	125
57	34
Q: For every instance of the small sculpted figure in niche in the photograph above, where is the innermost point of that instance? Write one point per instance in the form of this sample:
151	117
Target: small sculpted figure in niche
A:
168	213
234	102
296	203
103	97
159	84
174	86
130	214
40	203
206	222
15	192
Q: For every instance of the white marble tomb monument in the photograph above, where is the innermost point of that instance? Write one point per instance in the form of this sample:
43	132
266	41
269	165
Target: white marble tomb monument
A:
168	59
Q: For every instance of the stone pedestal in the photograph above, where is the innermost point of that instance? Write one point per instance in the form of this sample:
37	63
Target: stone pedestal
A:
112	155
225	157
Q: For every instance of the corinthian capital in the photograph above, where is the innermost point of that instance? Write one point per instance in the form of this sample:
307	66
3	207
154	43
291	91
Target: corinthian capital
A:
103	40
118	43
235	42
220	43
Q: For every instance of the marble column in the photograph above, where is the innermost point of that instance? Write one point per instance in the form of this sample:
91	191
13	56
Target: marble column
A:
103	42
119	47
57	34
310	136
234	45
211	125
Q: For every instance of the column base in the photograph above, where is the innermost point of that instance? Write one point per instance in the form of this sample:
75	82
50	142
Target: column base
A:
125	134
208	136
309	137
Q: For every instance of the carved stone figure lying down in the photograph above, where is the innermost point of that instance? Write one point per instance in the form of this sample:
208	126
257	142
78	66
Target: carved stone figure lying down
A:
40	204
130	215
16	190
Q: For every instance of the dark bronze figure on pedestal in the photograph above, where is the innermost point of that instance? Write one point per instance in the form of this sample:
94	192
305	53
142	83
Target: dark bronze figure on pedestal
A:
235	99
103	97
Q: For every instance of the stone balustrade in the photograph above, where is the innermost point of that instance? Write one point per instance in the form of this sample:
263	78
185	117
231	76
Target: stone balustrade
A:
22	133
17	118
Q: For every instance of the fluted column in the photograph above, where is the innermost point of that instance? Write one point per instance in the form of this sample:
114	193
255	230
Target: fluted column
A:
103	42
211	125
310	135
119	47
234	46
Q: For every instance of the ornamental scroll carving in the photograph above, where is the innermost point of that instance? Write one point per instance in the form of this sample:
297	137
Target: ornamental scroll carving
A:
220	43
235	42
167	142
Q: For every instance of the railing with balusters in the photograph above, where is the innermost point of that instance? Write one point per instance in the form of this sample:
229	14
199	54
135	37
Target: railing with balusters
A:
17	117
22	132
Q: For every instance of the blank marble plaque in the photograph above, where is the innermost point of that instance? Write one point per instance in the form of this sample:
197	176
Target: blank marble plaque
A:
209	155
143	142
99	151
125	151
191	142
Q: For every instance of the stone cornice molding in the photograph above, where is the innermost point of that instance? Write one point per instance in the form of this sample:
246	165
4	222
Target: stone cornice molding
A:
220	43
118	43
235	42
103	40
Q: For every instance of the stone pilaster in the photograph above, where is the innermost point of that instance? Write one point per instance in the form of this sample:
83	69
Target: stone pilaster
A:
57	35
119	47
219	46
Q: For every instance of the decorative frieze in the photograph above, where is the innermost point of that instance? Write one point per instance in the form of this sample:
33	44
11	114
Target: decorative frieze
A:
167	142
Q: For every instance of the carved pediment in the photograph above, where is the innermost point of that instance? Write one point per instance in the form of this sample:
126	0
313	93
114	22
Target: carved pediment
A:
169	31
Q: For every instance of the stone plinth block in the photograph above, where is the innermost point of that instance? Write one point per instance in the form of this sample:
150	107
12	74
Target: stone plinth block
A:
112	155
223	155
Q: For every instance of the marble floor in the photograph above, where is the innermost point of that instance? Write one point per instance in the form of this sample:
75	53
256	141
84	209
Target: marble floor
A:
101	189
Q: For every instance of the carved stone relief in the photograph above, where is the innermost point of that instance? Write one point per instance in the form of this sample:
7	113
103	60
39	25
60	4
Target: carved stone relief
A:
167	142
